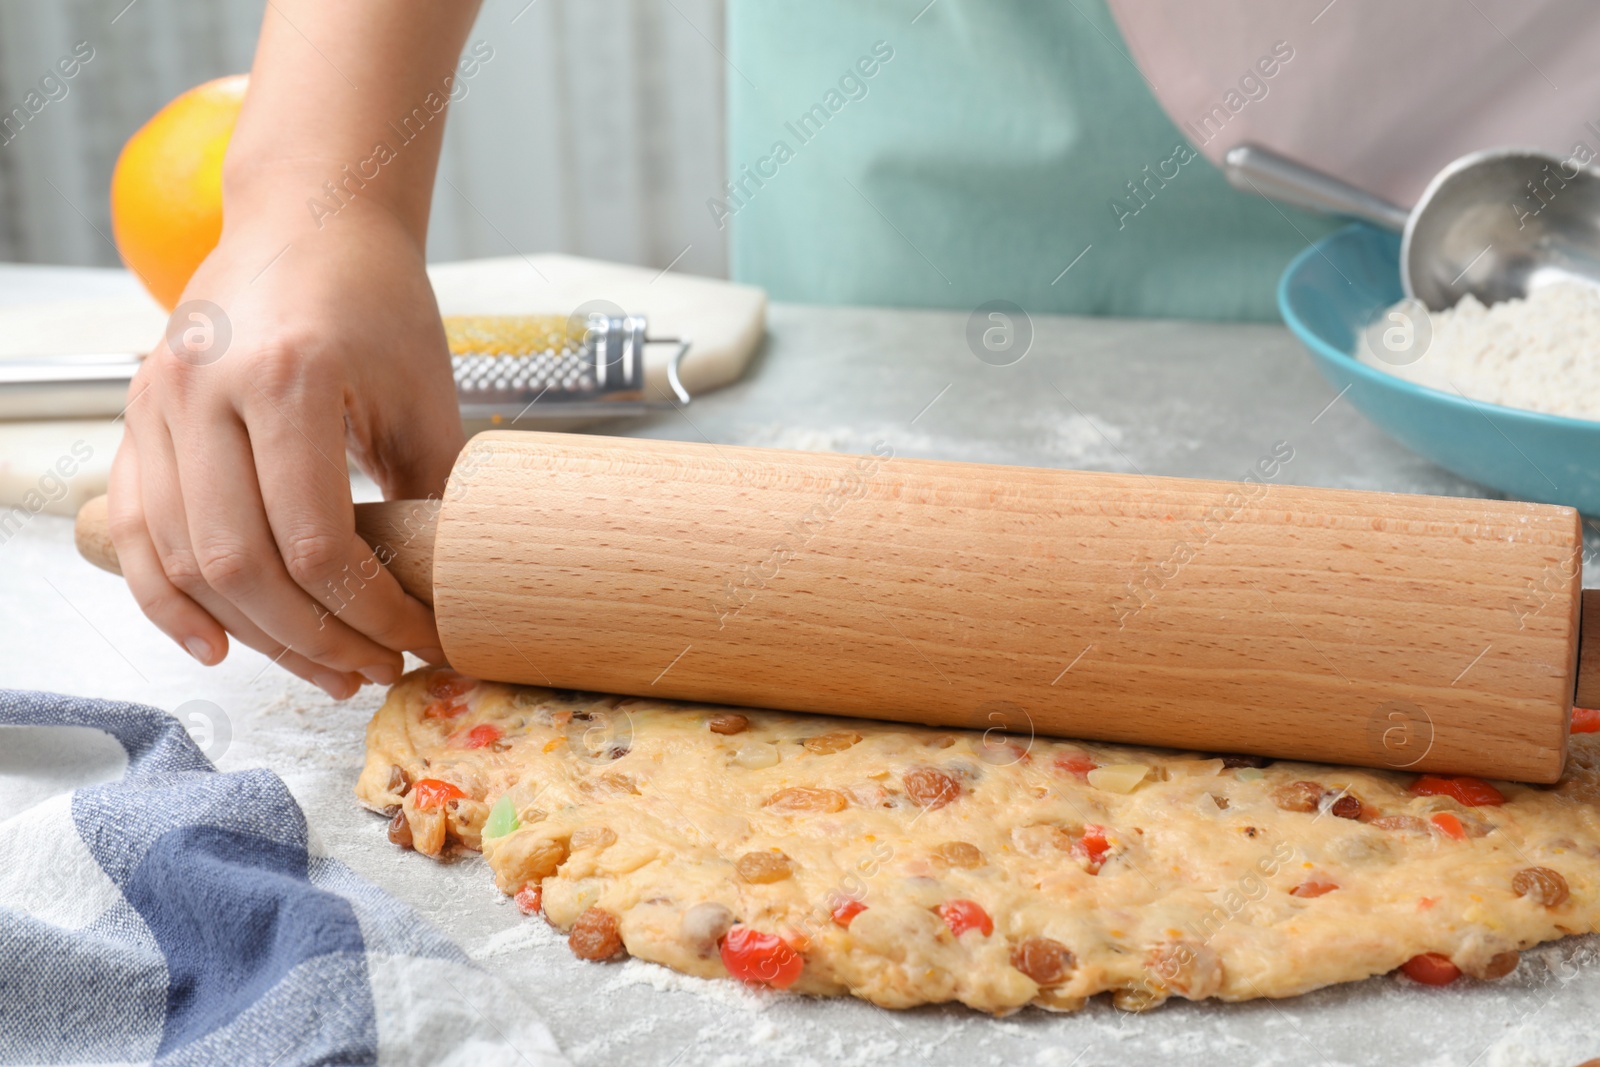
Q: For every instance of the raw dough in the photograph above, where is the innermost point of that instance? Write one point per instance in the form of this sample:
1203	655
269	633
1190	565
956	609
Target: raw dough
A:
1208	882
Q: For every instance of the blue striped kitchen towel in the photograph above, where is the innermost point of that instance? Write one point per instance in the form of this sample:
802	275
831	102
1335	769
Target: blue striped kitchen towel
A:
179	915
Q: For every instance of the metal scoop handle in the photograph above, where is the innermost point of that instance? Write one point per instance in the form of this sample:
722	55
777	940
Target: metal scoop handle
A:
1260	170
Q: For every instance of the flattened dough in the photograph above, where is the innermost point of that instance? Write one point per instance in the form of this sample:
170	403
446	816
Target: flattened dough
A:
1206	884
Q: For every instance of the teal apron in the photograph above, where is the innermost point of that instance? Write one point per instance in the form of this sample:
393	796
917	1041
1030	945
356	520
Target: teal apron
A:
982	150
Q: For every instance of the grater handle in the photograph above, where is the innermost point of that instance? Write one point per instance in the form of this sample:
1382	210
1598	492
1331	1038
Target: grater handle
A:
401	533
674	365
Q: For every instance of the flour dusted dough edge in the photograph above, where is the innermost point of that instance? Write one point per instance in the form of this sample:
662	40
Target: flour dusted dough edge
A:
637	807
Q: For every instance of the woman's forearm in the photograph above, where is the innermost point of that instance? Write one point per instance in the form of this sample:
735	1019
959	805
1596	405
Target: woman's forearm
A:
346	107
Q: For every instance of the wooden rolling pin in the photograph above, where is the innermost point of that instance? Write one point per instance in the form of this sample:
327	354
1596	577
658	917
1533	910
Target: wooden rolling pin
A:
1395	631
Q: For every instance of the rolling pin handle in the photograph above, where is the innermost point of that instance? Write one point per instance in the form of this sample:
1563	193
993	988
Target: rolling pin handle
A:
400	532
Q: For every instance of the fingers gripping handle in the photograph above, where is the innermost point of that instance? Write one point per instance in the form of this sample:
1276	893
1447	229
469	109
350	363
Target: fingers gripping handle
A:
401	533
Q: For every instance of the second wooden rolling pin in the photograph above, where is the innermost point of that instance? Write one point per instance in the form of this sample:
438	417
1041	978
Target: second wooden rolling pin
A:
1414	632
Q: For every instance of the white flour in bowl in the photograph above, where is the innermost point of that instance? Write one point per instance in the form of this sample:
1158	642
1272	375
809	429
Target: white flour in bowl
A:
1541	353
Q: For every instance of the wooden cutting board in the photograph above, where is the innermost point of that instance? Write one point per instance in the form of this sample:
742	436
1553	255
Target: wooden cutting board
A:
725	320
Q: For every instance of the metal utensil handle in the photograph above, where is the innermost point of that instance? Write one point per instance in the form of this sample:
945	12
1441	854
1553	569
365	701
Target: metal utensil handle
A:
1261	170
674	364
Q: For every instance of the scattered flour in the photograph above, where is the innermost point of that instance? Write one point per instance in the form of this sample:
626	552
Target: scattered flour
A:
518	939
1541	353
732	995
1060	440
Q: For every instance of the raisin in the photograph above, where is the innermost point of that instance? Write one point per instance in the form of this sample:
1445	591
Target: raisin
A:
399	780
762	868
1188	968
727	723
607	785
703	925
1497	966
1048	962
1541	885
1245	761
930	789
1137	998
827	744
618	750
1347	807
595	837
958	854
400	830
1298	796
1408	823
594	936
799	798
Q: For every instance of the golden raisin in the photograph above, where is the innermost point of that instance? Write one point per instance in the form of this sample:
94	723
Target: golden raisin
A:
609	784
703	925
727	723
929	789
1047	961
1141	997
958	854
762	868
400	830
1188	968
826	744
595	837
399	780
1541	885
1298	796
800	798
1347	807
1408	823
1497	966
594	936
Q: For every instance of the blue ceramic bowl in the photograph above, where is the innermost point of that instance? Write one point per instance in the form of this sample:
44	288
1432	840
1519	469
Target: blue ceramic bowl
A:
1339	285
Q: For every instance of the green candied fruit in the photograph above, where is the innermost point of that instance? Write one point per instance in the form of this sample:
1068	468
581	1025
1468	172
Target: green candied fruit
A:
502	818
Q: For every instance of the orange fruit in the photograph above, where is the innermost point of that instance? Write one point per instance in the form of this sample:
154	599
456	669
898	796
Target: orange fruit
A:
166	191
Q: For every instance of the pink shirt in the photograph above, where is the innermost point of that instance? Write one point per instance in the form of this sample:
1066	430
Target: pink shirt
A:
1382	93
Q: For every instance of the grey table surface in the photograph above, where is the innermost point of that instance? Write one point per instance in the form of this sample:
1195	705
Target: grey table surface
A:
1158	397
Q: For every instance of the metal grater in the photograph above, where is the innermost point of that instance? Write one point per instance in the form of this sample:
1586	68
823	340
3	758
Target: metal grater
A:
504	376
508	369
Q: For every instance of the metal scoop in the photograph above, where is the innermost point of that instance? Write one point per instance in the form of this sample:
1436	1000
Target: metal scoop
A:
1494	224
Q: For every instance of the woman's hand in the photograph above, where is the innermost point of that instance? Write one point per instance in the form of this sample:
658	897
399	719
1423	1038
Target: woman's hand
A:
303	335
229	498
